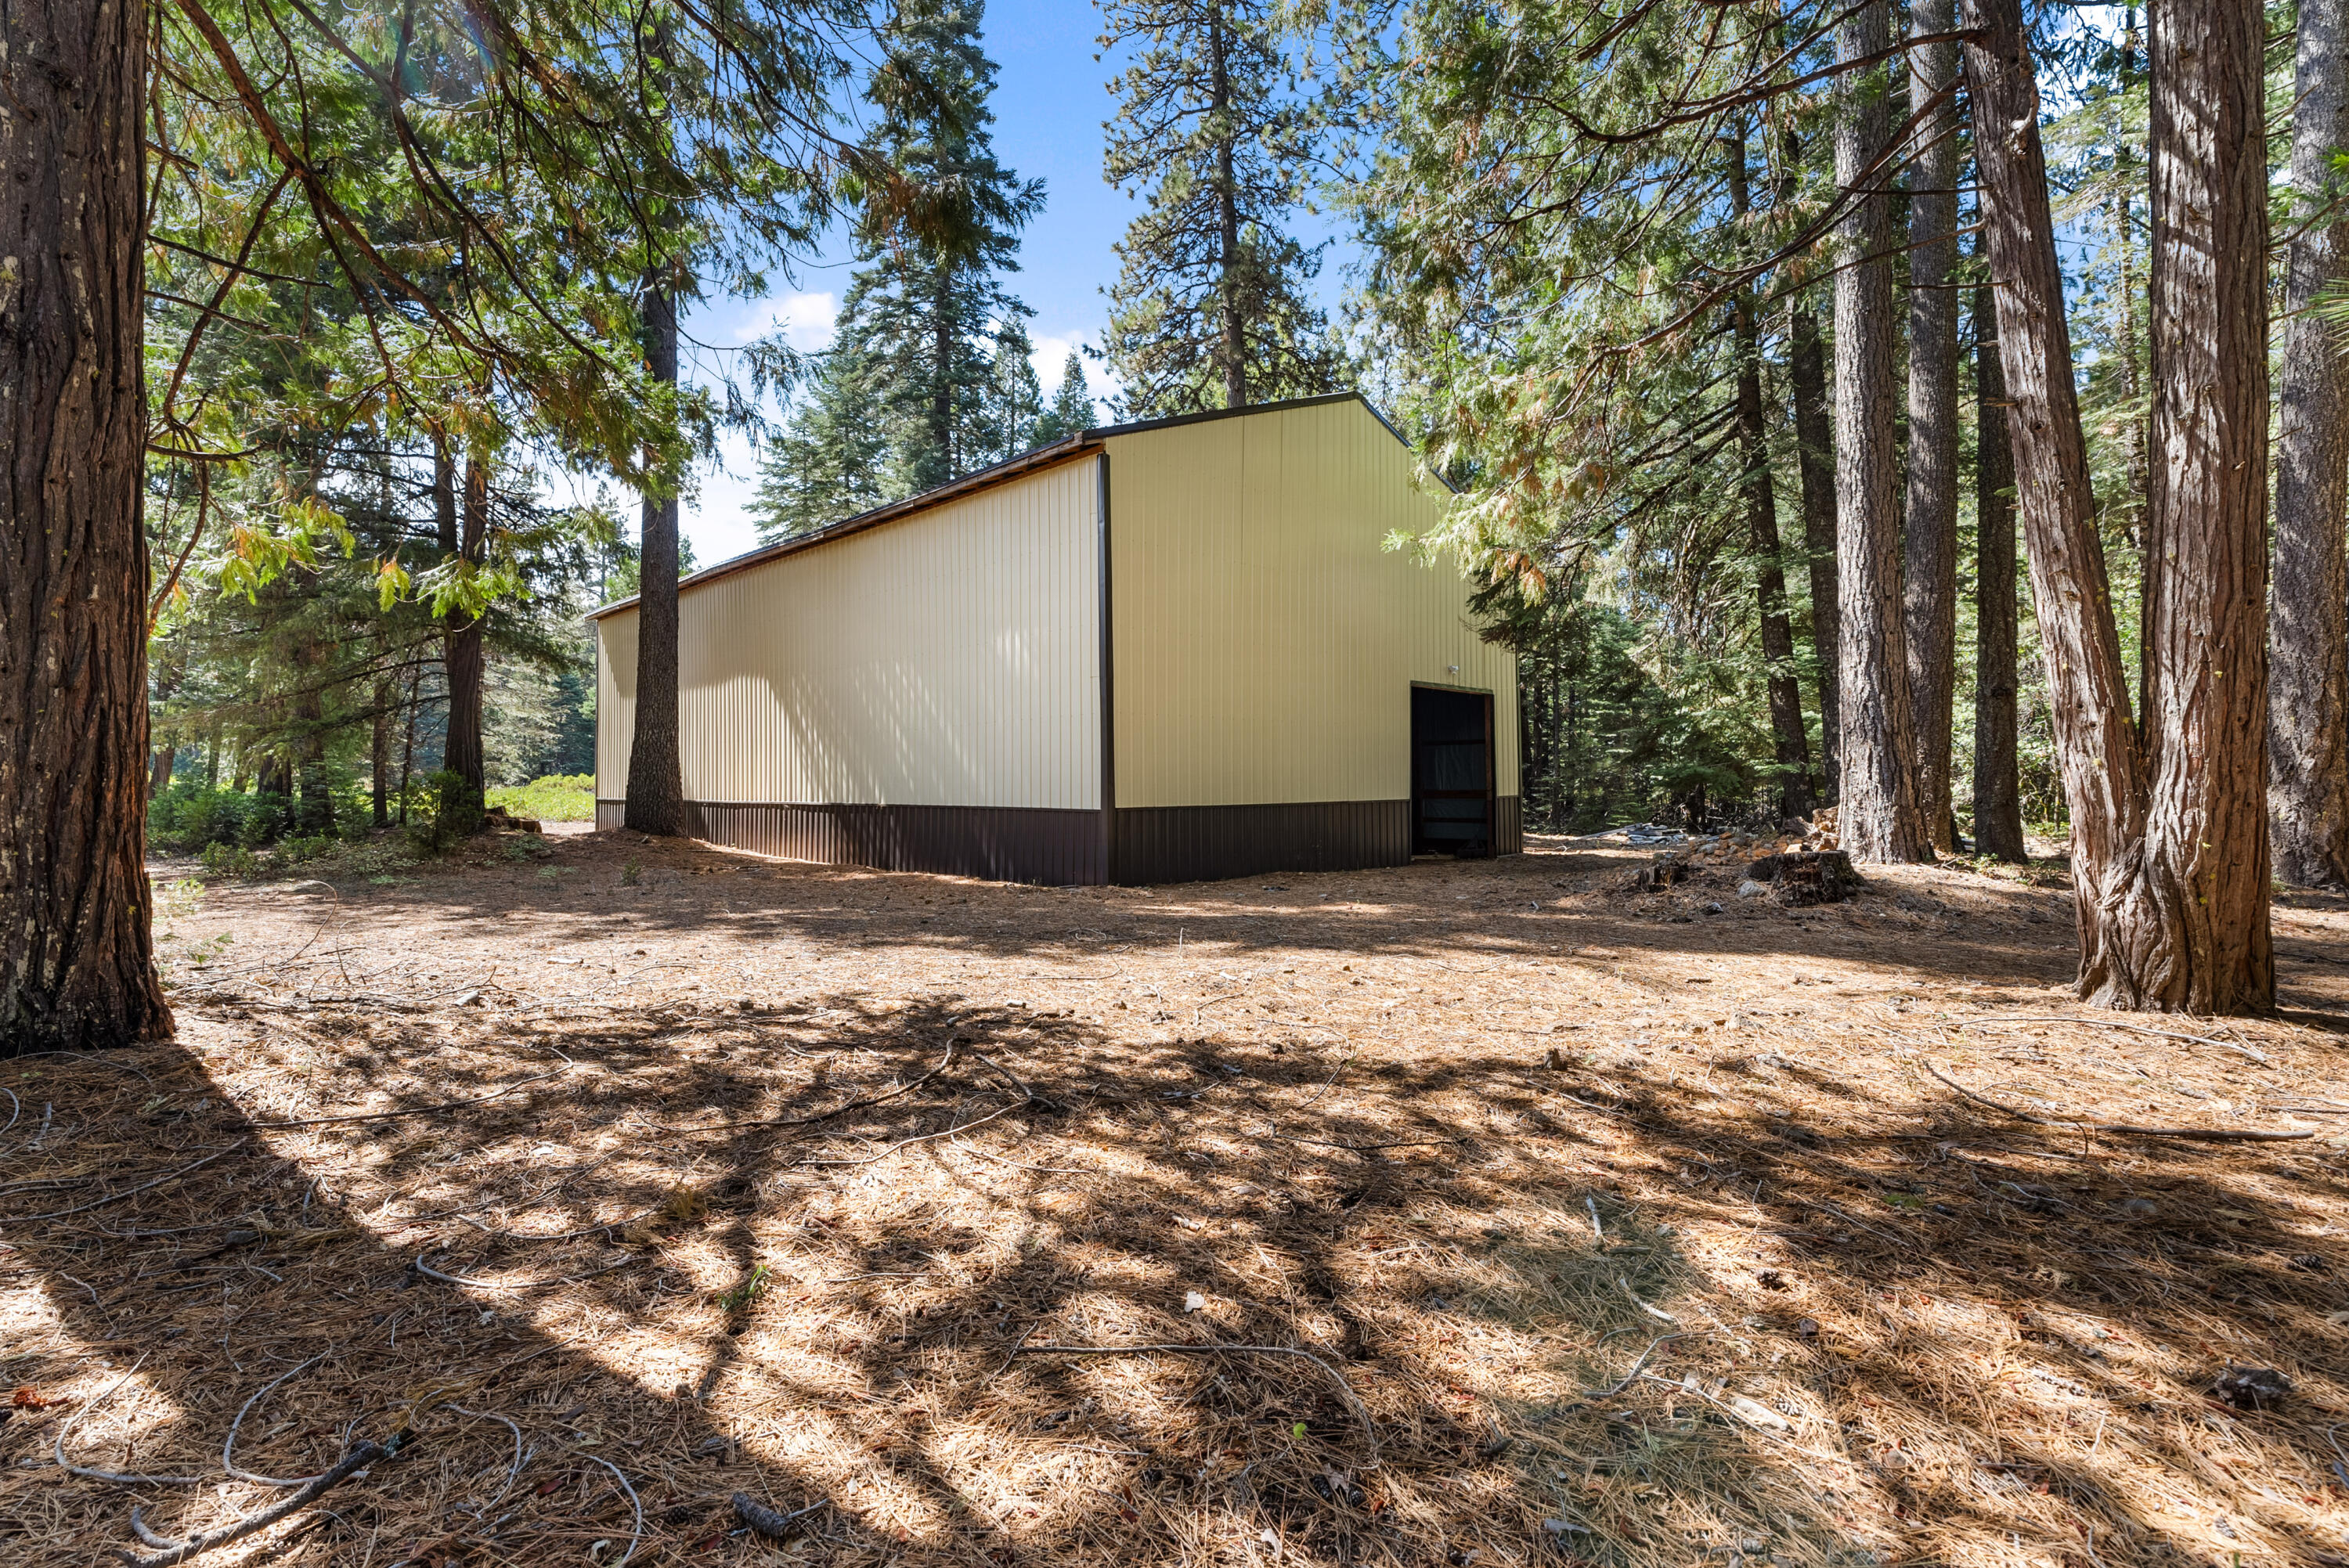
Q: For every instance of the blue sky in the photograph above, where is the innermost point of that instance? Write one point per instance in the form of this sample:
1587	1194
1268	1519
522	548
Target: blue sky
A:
1049	101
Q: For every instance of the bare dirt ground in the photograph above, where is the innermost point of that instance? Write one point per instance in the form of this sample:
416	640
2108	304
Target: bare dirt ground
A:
1492	1214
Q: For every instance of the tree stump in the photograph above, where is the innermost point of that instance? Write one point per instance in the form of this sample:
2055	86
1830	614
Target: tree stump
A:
1807	877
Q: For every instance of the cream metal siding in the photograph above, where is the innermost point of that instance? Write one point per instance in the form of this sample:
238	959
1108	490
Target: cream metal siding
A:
615	702
1264	640
947	658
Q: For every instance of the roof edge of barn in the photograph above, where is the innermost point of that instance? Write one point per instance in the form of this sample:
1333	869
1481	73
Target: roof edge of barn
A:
1065	449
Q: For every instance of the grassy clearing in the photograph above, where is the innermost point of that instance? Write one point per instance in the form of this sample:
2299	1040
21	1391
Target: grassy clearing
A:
557	797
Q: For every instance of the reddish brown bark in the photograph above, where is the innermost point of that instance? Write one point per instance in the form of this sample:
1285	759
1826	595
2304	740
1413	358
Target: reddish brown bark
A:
1879	819
2200	941
2169	838
76	966
1789	741
1998	793
2308	681
1930	542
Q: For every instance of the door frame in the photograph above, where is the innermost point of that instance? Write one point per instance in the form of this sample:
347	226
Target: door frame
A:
1491	767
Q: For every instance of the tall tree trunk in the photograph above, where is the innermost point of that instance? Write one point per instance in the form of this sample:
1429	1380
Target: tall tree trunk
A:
656	775
1879	819
1814	463
2163	923
1233	351
380	752
2308	677
1930	588
1998	791
462	650
76	968
944	464
2202	940
159	777
1789	740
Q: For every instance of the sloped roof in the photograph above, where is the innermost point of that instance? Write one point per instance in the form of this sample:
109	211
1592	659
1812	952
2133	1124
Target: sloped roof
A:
1067	448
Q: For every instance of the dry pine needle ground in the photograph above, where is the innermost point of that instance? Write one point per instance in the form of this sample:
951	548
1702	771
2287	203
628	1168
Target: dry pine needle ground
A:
711	1174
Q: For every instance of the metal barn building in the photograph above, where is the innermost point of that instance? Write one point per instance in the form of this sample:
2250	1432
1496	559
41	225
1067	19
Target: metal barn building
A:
1154	653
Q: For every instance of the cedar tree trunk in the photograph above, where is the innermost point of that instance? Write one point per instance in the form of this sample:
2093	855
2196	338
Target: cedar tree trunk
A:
1930	555
1807	377
2308	729
76	966
2199	938
1998	791
656	776
462	649
1790	741
1879	819
2160	831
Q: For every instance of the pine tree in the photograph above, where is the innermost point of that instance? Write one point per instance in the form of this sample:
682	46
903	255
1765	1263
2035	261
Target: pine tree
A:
908	396
928	302
830	461
1211	308
1073	405
1002	420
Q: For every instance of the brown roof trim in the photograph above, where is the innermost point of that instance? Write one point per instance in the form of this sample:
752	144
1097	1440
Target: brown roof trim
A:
1060	451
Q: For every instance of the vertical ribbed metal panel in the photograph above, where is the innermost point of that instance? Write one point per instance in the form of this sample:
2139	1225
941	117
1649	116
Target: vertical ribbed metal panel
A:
1157	844
948	658
1264	640
616	703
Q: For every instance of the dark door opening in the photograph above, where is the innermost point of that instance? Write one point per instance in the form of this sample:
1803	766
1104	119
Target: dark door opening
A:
1451	772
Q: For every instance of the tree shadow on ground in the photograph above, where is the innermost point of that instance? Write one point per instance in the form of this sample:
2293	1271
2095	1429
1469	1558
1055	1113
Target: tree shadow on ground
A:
846	1255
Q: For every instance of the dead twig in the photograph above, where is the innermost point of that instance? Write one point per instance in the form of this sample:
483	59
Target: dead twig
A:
133	1192
59	1447
2197	1134
766	1521
228	1449
512	1475
2258	1057
430	1273
351	1463
638	1507
1595	1396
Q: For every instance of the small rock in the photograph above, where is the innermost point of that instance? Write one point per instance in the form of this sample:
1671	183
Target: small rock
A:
1193	1302
2252	1388
2140	1208
1749	888
1807	1328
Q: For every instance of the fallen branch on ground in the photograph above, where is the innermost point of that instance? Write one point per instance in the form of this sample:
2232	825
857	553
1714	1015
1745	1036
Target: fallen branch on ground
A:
133	1192
2258	1057
59	1447
2199	1134
429	1272
638	1528
766	1521
358	1459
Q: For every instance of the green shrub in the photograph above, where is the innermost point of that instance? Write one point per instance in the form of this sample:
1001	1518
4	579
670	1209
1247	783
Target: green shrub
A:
557	797
448	814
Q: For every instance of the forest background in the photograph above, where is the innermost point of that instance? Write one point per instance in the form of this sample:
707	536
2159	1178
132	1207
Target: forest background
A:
1647	659
1600	259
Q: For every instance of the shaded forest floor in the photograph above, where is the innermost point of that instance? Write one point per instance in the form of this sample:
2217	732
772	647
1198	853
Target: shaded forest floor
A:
811	1185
